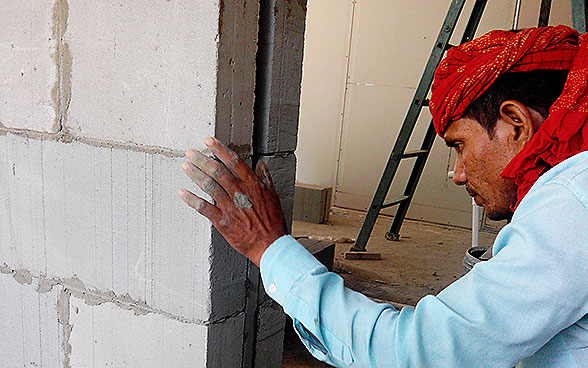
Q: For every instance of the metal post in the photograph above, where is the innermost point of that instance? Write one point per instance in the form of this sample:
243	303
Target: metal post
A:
475	224
517	12
579	15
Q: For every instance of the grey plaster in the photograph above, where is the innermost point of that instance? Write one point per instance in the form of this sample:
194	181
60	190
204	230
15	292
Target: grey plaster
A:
65	326
64	136
5	269
279	76
282	169
45	285
61	92
23	276
241	200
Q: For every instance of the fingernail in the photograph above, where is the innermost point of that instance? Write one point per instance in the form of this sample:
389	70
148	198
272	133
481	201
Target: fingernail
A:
209	141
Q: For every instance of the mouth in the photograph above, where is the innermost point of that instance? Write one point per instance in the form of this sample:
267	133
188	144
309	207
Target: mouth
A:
475	196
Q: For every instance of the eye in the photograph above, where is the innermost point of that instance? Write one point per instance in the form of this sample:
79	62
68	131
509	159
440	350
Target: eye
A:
458	146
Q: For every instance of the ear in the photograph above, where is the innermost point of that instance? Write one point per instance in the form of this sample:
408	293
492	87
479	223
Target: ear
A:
518	121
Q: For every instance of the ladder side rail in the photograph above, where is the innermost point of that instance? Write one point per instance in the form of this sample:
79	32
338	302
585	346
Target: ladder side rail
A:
544	13
411	185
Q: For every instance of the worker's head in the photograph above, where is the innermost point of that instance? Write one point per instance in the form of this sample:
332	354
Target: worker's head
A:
494	128
499	101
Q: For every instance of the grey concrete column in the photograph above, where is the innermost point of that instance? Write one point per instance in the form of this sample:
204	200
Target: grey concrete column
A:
277	102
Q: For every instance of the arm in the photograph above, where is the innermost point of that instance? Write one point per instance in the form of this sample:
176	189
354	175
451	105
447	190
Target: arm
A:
501	312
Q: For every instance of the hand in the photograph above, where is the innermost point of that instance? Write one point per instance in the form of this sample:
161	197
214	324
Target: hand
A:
246	209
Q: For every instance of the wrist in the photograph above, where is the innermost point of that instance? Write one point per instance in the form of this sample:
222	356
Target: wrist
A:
259	250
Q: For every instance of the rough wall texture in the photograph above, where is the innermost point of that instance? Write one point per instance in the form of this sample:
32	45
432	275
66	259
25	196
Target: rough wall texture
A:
101	264
277	90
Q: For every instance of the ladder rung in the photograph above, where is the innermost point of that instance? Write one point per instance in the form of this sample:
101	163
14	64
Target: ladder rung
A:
395	201
415	153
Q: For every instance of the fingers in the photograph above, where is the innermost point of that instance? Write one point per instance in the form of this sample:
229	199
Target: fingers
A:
214	169
230	159
200	205
206	183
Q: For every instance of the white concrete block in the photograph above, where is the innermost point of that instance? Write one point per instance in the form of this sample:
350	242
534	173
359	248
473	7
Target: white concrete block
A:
22	210
146	72
28	72
108	336
28	321
108	217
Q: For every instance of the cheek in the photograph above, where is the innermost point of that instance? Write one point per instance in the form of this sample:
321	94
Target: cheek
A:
480	168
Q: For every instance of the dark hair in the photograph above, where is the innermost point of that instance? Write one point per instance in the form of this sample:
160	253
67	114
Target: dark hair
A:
537	89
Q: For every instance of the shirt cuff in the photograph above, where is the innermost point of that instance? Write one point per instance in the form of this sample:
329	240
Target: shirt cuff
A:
282	264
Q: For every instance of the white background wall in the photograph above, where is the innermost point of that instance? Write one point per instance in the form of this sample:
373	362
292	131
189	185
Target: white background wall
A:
362	62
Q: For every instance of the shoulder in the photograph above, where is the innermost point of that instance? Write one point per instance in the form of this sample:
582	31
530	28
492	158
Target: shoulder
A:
554	212
567	181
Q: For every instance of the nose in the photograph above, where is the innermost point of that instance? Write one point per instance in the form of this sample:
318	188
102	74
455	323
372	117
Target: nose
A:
459	176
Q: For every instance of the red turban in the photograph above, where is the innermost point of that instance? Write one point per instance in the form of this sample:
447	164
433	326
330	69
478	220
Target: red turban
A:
469	69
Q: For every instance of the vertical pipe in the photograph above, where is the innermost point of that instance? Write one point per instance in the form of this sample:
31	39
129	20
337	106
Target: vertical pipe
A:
475	224
517	12
579	15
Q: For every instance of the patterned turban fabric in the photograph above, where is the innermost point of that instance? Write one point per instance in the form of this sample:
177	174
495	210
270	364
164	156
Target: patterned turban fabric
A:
469	69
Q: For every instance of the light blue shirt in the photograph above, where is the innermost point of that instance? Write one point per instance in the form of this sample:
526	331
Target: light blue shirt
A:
528	305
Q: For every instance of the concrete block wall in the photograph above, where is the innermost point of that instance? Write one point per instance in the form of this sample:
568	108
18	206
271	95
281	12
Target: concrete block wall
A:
101	264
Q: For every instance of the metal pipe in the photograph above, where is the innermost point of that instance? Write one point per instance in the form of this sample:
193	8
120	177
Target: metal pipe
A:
475	224
515	18
475	218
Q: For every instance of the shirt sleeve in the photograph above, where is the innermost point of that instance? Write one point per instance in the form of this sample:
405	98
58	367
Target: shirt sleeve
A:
499	313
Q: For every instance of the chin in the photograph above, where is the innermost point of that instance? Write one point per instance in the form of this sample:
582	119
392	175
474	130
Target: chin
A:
498	215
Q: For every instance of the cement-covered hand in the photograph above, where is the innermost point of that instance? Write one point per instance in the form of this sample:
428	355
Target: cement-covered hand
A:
246	208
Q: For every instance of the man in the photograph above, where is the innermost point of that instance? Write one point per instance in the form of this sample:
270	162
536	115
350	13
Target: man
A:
518	157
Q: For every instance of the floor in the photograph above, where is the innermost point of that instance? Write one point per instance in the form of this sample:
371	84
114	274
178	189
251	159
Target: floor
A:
425	260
